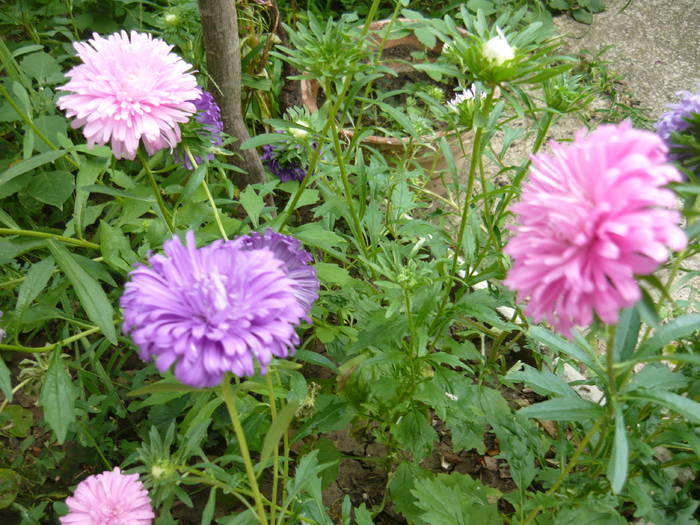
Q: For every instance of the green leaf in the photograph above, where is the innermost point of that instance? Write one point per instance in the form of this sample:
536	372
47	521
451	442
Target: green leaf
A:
315	235
21	421
275	431
52	187
34	283
89	170
115	247
678	328
194	182
400	487
363	516
41	66
617	467
209	508
415	433
253	204
164	386
92	297
30	164
58	397
684	406
5	380
264	138
425	36
543	382
329	273
9	483
554	342
626	334
562	409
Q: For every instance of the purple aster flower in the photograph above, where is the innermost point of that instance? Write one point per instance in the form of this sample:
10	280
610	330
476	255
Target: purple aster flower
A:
674	120
209	116
296	263
213	309
285	170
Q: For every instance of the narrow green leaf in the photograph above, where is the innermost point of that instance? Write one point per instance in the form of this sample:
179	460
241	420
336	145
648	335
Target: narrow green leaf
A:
253	204
627	334
162	387
676	329
36	280
684	406
92	297
194	182
542	382
30	164
262	139
90	169
617	467
274	433
562	409
58	397
554	342
209	508
5	380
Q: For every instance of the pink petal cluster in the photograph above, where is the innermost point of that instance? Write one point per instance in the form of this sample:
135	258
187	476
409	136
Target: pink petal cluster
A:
129	88
109	498
593	215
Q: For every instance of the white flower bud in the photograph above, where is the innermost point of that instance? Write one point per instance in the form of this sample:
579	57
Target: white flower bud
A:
298	132
498	50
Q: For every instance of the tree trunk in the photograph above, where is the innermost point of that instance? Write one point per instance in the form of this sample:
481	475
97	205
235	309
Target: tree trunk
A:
220	30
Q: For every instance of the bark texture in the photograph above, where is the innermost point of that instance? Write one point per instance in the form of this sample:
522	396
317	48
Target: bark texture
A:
222	45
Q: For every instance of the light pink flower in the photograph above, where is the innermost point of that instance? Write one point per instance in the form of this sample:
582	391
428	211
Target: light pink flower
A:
593	214
109	498
128	88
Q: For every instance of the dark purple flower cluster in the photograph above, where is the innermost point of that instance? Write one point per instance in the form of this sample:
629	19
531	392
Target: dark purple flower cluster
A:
219	308
209	116
285	170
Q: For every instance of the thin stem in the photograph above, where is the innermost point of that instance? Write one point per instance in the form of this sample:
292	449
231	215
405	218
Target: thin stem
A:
569	467
45	235
214	209
275	457
51	346
243	445
27	120
346	185
167	217
610	361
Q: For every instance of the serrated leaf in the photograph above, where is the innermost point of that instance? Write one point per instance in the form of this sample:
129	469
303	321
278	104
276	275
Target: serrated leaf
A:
562	409
264	138
91	295
34	283
58	397
617	467
425	36
415	433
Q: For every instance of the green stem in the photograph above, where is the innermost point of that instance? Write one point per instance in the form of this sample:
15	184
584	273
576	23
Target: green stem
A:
569	467
214	209
275	458
28	121
610	361
45	235
243	445
51	346
316	154
359	234
167	217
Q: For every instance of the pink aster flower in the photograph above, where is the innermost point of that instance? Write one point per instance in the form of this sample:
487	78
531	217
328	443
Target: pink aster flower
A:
593	214
109	498
129	88
219	308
